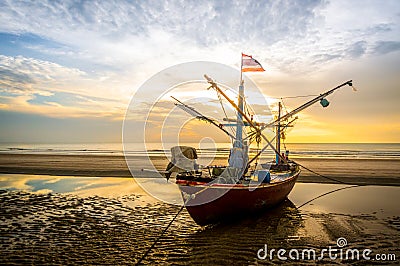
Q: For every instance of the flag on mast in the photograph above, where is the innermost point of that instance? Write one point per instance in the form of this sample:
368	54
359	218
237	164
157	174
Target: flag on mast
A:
249	64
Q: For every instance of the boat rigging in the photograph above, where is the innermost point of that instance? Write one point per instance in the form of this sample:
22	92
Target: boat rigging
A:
212	193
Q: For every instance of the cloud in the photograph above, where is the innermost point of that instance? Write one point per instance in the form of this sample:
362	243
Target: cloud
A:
14	82
200	20
86	58
127	37
32	85
125	34
384	47
380	28
20	73
323	58
357	49
35	127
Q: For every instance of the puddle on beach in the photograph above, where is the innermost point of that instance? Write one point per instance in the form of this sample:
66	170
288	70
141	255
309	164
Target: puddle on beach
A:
57	220
381	201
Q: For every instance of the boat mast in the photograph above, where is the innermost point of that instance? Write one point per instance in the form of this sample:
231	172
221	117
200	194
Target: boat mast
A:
278	135
250	121
239	123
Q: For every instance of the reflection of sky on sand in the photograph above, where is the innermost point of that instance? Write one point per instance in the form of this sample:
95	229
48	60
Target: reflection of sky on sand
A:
85	186
381	201
90	186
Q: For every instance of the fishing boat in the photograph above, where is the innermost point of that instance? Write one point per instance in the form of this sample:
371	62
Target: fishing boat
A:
215	193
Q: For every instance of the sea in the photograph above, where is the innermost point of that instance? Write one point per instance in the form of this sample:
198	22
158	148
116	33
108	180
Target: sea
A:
296	150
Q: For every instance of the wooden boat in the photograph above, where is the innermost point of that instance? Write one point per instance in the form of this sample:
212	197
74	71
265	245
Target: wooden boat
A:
215	193
232	201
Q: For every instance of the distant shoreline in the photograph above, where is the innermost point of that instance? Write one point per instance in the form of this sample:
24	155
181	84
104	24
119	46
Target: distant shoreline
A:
160	157
376	151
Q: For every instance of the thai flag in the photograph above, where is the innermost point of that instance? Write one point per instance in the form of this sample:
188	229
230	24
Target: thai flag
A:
249	64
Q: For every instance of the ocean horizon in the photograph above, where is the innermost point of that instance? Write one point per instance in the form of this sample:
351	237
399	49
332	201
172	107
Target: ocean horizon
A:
297	150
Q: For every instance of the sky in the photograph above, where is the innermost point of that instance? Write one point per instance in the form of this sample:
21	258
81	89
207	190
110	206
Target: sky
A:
69	68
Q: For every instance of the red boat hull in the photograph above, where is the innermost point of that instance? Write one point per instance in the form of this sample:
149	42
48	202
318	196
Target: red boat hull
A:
216	202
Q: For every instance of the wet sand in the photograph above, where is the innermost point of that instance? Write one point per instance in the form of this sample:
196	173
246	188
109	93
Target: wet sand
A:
64	228
354	171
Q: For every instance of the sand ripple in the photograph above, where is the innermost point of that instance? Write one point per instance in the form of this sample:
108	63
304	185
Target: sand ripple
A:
67	229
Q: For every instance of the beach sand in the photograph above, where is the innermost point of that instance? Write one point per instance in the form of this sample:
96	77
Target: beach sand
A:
354	171
86	228
73	209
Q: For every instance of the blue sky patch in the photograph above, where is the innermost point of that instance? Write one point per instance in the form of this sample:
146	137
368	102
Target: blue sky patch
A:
63	98
23	44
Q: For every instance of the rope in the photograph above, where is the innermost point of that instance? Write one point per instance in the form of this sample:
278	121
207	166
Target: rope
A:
284	106
284	144
247	108
223	108
159	237
299	96
258	150
322	195
170	223
330	178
